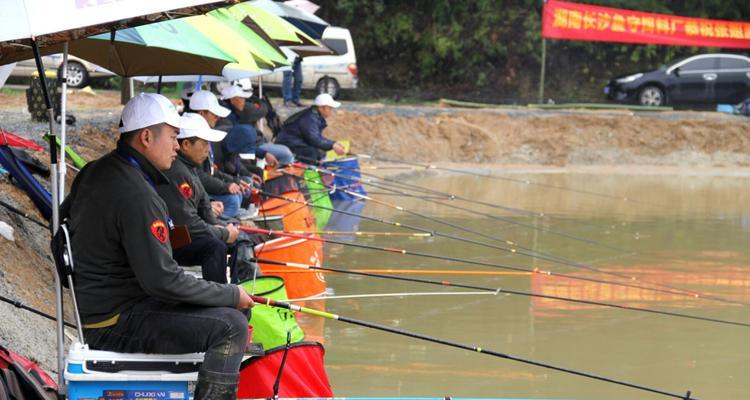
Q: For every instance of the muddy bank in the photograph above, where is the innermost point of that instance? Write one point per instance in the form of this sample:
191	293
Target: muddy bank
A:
550	138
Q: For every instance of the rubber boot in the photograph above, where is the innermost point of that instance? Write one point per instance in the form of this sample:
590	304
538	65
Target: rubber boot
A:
216	386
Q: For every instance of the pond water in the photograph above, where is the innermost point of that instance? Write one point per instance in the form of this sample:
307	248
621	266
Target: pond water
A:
676	233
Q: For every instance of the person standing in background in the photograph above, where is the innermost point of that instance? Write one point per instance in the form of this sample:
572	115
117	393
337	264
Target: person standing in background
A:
291	86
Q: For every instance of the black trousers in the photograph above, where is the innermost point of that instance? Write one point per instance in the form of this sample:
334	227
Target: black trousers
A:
208	252
152	326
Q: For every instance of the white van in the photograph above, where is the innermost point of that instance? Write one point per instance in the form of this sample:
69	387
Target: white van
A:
327	74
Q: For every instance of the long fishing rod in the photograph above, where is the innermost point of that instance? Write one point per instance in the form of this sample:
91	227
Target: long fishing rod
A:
451	196
22	306
515	249
491	216
477	349
307	162
391	271
365	233
504	178
483	263
303	267
23	214
383	295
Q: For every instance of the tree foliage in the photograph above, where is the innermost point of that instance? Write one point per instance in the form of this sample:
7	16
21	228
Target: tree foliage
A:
492	49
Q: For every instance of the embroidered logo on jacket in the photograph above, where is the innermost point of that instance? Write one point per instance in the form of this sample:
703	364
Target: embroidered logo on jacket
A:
159	230
186	190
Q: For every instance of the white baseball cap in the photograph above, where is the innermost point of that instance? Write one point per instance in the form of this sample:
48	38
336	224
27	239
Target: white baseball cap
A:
325	99
187	90
233	91
205	100
148	109
193	125
246	84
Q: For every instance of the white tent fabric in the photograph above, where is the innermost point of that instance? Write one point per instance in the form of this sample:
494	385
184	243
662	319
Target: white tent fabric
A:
22	19
5	71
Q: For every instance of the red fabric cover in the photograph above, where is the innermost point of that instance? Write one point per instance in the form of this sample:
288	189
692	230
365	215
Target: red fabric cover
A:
566	20
8	357
304	374
17	141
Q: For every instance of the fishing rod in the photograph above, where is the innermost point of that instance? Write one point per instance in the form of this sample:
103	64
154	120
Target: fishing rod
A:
483	263
22	306
495	217
408	271
303	165
365	233
23	214
515	249
504	178
383	295
473	348
304	267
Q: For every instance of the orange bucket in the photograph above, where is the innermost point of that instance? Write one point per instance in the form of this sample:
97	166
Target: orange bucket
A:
294	250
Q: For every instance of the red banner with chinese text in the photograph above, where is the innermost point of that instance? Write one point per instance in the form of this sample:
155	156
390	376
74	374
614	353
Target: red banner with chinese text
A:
564	20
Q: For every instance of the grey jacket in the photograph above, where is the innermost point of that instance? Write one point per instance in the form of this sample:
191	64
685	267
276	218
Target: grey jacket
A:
120	239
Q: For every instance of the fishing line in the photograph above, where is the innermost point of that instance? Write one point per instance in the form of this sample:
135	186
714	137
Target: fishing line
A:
483	263
303	267
473	348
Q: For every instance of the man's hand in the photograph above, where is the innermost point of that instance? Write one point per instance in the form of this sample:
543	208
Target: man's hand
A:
233	233
339	148
217	207
245	186
271	160
245	301
257	179
234	188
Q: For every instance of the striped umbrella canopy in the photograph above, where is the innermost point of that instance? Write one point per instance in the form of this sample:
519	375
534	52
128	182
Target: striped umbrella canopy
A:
277	28
238	40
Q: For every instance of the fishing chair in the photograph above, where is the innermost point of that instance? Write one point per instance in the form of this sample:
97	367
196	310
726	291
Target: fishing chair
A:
105	374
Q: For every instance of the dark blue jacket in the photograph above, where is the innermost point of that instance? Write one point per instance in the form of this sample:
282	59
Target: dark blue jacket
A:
241	138
306	130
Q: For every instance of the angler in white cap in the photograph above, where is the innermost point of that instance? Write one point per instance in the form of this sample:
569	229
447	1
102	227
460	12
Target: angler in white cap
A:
132	296
189	204
302	133
242	138
221	186
248	109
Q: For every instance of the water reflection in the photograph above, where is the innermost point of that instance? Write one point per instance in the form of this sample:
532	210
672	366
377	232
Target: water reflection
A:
687	232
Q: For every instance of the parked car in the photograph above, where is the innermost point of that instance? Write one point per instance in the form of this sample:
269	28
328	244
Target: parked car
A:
80	72
701	79
327	74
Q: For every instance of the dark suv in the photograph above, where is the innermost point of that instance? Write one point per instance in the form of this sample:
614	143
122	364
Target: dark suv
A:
702	79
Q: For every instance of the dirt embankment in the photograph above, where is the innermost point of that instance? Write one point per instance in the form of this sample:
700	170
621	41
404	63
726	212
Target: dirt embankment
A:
551	138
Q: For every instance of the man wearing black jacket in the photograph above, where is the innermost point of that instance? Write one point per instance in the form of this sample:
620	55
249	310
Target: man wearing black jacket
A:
132	296
189	205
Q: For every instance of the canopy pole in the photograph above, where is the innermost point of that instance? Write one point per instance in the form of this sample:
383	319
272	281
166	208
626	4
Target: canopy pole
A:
261	122
61	388
158	85
540	98
63	125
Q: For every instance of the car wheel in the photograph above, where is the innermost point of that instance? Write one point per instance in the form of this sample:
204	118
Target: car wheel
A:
78	77
328	85
651	96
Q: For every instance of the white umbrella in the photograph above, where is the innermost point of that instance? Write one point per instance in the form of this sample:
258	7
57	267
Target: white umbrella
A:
305	5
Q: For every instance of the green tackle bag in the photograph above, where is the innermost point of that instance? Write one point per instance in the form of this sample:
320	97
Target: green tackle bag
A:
270	324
